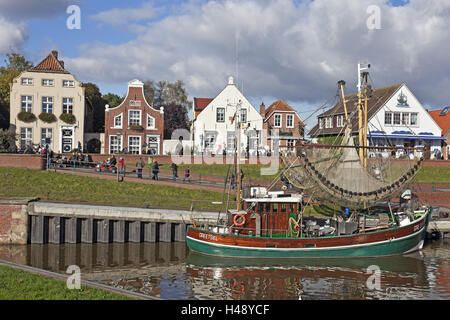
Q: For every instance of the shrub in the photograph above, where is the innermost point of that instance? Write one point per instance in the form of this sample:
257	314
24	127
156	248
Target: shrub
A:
47	117
26	116
68	118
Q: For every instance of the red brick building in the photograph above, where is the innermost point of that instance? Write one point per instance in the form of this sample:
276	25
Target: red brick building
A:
134	126
442	118
282	117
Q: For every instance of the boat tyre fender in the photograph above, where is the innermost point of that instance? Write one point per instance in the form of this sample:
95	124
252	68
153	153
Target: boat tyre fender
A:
235	220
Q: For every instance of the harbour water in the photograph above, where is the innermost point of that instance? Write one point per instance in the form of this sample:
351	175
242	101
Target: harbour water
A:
170	271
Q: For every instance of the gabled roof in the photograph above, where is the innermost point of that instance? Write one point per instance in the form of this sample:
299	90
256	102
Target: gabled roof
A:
375	101
279	105
200	104
50	64
442	119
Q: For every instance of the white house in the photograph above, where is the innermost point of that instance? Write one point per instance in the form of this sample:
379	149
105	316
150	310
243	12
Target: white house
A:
213	129
395	118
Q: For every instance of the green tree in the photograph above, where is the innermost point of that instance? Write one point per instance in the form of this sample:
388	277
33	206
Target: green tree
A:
174	98
92	92
112	99
14	64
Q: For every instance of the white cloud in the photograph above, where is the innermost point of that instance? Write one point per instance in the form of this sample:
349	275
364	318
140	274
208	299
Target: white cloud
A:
12	36
128	16
289	50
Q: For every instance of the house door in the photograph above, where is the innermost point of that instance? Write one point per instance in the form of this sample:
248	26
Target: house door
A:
67	139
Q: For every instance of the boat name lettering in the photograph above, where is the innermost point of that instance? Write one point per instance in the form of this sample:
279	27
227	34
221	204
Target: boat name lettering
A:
207	236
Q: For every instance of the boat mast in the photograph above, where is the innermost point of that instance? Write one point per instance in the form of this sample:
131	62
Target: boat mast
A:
365	75
341	85
360	113
238	155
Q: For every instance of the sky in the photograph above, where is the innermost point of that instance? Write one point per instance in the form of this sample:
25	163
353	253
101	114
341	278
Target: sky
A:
295	50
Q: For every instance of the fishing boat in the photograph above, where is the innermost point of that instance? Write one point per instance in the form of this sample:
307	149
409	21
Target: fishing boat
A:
272	224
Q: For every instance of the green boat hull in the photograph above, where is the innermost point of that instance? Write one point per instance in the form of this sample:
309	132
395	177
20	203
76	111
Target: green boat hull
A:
395	246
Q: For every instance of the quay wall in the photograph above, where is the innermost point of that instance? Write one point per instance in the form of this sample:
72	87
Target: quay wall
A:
26	220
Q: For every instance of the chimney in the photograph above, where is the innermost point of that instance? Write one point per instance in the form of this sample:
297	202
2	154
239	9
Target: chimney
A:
55	53
262	110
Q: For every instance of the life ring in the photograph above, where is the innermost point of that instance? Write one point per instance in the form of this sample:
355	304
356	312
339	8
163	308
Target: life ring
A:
238	287
236	218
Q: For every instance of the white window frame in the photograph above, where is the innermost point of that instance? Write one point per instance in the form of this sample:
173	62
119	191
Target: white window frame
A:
158	138
388	115
275	120
289	118
68	84
117	146
28	107
328	122
222	115
399	119
47	82
67	104
28	137
417	119
121	121
321	123
340	121
129	117
152	127
244	115
48	134
139	146
26	81
48	103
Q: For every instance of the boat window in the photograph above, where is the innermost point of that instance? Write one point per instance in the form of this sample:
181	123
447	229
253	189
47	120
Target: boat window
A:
283	207
268	207
260	206
291	208
275	207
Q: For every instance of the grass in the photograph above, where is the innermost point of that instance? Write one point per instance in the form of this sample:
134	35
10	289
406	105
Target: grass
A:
20	285
55	186
433	174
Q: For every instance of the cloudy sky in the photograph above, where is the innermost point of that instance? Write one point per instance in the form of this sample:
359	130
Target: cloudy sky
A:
294	50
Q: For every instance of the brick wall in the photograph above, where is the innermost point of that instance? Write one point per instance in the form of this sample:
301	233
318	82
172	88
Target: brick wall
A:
29	161
13	220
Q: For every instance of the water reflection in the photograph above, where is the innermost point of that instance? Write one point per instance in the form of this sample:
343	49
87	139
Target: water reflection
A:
168	270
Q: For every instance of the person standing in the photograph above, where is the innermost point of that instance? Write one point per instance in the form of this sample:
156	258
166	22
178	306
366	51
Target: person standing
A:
174	168
187	175
155	170
121	164
140	164
150	165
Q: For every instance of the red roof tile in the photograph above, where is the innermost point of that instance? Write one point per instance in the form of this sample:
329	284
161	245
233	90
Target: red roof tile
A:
443	120
200	104
50	64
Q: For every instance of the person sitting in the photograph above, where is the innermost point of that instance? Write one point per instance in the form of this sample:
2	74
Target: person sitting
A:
113	161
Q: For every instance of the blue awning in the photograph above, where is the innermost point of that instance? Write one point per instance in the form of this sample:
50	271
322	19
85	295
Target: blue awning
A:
405	137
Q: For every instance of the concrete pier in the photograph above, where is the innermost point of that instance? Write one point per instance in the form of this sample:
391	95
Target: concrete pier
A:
58	223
